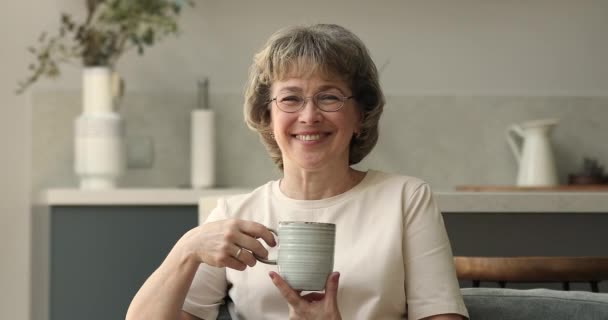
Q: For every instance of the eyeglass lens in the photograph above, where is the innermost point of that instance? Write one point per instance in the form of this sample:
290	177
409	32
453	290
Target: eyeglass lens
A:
326	101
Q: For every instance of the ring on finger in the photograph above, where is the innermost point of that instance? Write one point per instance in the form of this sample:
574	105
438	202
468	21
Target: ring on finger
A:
238	252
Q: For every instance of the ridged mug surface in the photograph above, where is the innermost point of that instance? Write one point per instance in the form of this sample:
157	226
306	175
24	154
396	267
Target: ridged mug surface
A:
306	254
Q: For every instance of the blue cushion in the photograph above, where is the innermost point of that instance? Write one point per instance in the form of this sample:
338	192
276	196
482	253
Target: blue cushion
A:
535	304
512	304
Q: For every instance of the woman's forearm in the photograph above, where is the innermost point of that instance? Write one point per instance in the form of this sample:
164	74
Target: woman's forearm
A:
162	295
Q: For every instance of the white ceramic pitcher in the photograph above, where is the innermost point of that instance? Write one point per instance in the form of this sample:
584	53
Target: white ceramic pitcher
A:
530	144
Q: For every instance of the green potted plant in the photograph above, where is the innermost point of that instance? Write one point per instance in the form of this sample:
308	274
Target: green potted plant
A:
110	28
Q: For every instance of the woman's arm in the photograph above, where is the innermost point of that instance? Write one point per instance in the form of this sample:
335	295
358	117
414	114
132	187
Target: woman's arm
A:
227	243
187	316
430	275
164	292
445	317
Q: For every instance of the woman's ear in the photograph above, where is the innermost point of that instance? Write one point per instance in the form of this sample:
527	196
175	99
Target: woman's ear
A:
357	130
361	117
359	126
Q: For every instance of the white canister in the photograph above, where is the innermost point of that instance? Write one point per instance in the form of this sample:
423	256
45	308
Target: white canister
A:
202	149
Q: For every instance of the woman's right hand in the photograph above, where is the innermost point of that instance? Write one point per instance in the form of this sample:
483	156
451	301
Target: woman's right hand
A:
229	243
314	305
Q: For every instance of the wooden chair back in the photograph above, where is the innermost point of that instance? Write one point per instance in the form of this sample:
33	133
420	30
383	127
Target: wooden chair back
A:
533	269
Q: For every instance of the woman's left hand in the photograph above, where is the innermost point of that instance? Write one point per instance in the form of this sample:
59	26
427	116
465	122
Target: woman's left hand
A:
312	306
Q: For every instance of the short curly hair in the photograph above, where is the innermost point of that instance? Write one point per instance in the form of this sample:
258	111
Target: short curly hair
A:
326	48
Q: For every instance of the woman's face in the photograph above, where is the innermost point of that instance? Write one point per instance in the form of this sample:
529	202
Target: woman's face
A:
312	138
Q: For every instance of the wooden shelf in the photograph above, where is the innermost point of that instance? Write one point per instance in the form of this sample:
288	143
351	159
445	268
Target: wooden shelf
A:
560	188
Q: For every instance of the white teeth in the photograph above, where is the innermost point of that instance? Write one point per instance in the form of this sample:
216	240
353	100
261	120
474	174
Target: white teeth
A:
308	137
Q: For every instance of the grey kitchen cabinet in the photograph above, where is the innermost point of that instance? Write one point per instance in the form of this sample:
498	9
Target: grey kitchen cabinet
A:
101	255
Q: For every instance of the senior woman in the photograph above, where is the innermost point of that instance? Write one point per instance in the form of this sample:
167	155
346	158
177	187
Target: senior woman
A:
315	100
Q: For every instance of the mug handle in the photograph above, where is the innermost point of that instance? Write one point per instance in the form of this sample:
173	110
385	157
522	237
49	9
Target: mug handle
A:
267	261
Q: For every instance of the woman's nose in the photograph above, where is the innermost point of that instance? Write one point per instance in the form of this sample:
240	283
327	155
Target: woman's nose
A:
310	113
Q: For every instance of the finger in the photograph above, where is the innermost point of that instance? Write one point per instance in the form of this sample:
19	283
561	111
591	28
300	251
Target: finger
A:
292	296
313	296
245	241
258	230
331	286
233	263
245	256
234	234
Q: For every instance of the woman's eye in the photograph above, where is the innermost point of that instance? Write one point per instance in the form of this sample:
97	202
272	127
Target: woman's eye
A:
290	99
328	97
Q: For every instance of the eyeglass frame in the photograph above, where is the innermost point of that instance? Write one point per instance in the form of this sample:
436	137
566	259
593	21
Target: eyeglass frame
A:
343	99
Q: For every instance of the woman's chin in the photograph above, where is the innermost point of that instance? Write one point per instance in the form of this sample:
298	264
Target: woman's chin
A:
311	166
314	164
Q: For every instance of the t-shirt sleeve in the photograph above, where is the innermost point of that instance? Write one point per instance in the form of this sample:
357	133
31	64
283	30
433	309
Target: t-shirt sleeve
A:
430	277
209	285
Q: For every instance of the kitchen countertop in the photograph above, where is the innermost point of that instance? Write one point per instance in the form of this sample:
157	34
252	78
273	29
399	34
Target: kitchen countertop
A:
130	196
449	201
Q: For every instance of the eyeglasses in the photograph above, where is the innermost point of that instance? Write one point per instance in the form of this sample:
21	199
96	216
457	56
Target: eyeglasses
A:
326	101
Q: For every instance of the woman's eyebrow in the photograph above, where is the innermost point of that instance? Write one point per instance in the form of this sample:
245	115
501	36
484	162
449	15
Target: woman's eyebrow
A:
328	87
319	89
291	89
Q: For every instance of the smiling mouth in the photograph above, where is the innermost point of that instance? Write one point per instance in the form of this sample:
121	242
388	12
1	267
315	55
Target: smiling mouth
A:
309	137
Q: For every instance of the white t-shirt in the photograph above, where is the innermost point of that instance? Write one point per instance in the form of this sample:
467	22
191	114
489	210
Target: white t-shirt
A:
392	252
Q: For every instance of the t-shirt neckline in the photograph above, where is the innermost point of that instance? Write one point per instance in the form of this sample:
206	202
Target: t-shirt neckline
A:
320	203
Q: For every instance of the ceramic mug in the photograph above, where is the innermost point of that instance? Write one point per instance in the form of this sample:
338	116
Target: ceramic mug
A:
306	253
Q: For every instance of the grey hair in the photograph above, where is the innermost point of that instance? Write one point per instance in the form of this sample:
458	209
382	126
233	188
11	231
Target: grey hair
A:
322	48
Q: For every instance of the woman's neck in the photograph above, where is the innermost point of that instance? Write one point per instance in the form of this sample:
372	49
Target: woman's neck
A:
303	184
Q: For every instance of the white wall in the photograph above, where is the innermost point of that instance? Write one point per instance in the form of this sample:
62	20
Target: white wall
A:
19	24
439	47
443	47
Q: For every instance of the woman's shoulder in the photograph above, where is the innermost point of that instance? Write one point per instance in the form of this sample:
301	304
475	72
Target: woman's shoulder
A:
238	204
394	180
259	192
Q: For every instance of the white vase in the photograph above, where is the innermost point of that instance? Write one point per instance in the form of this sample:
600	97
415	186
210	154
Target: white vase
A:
99	143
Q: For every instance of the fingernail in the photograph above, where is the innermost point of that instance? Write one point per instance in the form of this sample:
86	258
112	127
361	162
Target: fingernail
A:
271	275
336	276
